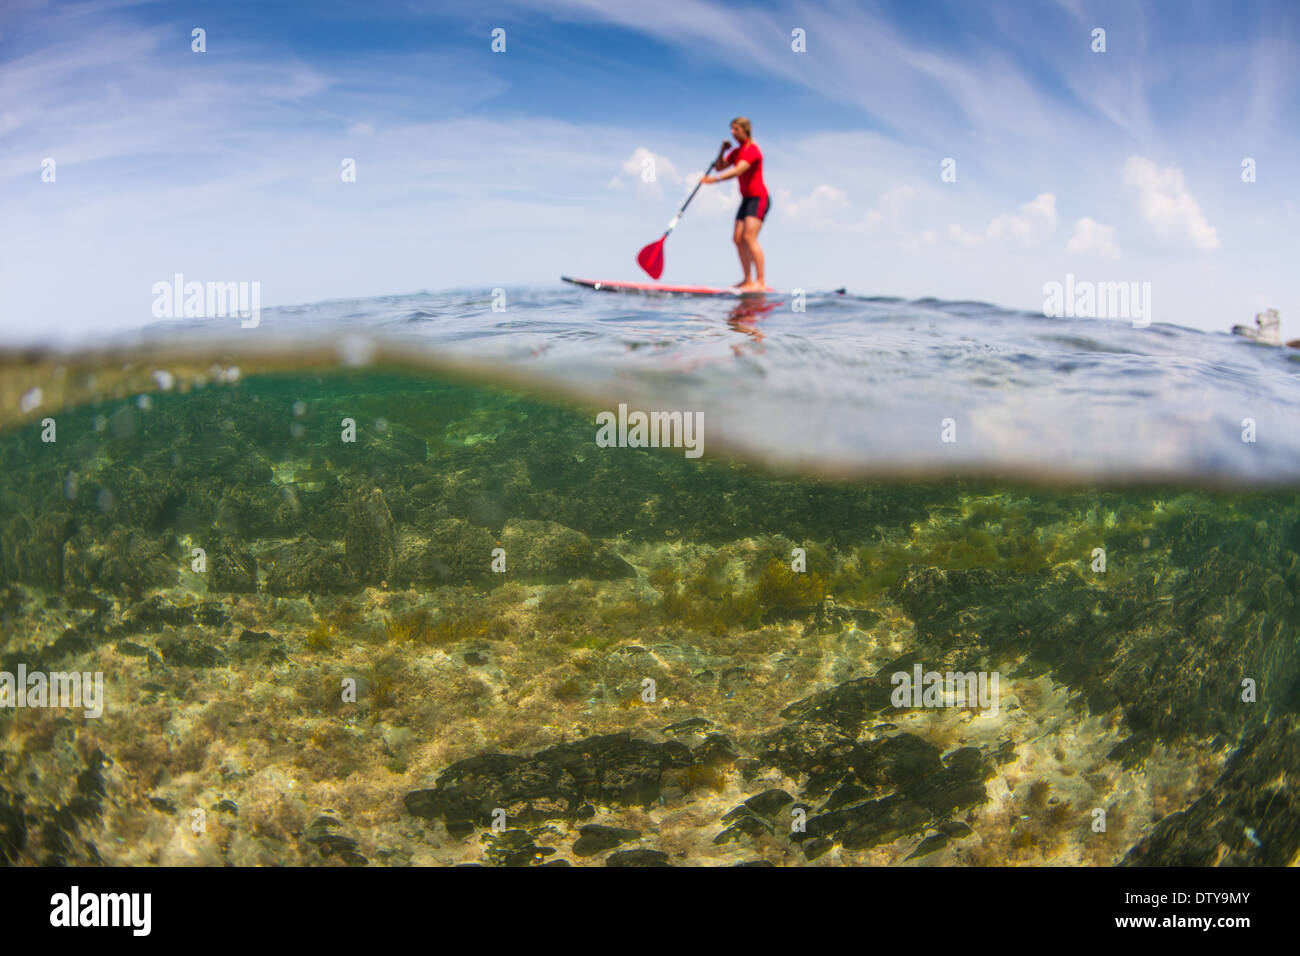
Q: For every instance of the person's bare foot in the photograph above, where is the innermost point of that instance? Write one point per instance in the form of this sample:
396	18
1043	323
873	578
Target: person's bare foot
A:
752	286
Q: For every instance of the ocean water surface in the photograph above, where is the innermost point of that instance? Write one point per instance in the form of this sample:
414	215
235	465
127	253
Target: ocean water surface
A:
946	585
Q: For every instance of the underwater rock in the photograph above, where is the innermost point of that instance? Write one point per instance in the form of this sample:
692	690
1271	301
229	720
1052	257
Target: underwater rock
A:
746	824
1171	661
713	750
689	725
190	652
211	614
1250	817
845	705
252	512
555	783
954	830
594	838
384	449
140	499
35	550
927	788
767	804
828	618
846	794
82	558
306	567
156	612
806	748
231	569
320	835
607	565
136	561
260	645
13	827
898	760
451	551
959	785
544	550
369	542
813	849
638	858
514	848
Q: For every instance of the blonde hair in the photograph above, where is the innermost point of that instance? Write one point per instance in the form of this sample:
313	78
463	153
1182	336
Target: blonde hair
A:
743	123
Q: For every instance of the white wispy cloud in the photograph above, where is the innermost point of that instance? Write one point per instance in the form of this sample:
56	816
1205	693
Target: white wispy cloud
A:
1165	203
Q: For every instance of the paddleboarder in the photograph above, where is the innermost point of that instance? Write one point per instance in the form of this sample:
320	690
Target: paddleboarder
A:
746	161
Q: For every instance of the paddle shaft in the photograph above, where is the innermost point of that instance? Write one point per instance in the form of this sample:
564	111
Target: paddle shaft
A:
673	225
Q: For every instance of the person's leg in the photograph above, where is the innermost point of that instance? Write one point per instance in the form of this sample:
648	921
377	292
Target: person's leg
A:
749	241
742	249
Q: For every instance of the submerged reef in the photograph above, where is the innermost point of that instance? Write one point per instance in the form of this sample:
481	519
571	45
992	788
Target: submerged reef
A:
457	631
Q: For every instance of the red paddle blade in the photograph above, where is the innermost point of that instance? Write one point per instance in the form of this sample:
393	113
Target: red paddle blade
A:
651	259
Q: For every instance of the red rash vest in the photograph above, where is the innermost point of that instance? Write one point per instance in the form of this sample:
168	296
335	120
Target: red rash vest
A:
751	180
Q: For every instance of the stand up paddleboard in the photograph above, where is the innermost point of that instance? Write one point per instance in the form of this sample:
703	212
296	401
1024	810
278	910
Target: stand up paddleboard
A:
656	288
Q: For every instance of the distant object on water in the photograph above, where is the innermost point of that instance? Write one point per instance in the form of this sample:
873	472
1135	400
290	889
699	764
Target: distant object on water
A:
1268	330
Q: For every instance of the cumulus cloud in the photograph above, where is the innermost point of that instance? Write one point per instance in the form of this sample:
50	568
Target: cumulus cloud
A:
818	205
1034	222
1093	238
647	167
1165	203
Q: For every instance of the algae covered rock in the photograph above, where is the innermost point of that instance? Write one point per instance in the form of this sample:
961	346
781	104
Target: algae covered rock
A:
1250	817
545	550
33	549
555	783
231	569
191	650
594	838
136	561
82	558
369	540
250	511
638	858
306	567
451	551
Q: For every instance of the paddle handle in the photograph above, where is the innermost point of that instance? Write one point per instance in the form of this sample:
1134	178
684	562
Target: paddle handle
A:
712	163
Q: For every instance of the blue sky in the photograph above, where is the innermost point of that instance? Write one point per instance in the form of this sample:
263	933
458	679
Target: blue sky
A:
482	169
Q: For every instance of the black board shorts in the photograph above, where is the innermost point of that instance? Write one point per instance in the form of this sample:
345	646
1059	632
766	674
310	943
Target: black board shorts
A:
756	206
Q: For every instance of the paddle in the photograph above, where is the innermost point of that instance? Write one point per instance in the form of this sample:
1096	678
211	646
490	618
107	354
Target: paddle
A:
651	258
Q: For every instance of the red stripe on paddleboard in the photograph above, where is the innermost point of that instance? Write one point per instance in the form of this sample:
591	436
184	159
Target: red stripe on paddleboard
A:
612	286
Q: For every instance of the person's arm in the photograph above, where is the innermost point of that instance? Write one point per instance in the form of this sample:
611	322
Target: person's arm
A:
722	155
739	170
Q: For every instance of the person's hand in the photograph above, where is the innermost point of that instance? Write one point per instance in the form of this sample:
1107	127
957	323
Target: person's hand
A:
726	145
709	179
